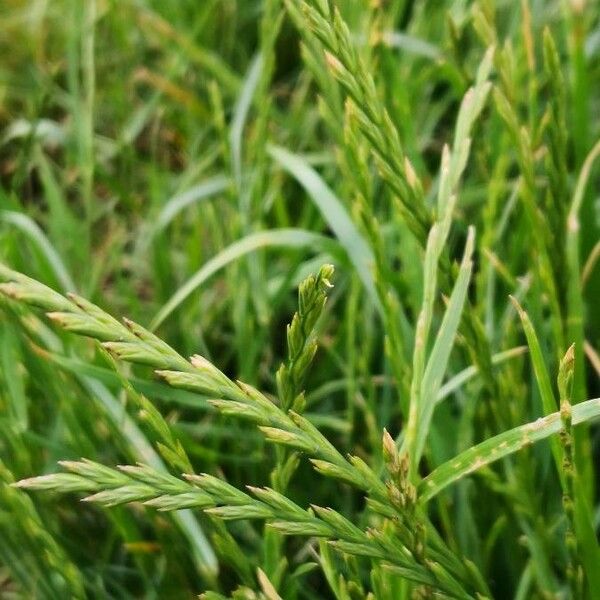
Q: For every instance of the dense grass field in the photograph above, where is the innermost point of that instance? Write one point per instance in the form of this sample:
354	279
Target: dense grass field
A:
301	298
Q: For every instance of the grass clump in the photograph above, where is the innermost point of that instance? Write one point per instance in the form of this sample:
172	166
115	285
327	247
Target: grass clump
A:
423	426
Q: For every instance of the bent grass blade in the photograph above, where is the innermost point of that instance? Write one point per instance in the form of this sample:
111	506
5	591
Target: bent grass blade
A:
499	446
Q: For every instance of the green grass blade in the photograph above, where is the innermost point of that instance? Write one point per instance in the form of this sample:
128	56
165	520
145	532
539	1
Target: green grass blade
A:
286	238
549	403
411	431
240	115
29	227
501	445
440	353
575	295
173	206
334	214
458	380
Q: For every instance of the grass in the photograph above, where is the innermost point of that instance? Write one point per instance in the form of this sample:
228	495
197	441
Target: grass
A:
373	228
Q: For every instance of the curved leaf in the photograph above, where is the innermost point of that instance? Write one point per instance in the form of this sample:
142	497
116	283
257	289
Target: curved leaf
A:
291	238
